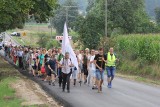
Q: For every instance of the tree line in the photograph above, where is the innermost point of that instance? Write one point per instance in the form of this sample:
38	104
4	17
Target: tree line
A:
123	17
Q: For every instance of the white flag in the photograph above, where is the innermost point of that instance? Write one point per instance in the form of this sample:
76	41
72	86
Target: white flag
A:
66	47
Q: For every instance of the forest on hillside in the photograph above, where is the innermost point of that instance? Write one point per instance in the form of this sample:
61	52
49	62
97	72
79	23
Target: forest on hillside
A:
149	4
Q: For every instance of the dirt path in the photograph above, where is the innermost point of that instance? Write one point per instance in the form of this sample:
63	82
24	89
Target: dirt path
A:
32	94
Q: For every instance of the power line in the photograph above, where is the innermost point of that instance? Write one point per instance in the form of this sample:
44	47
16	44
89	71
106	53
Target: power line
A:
67	11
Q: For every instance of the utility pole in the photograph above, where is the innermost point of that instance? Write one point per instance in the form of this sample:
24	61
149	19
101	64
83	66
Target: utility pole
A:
67	10
50	26
67	15
106	8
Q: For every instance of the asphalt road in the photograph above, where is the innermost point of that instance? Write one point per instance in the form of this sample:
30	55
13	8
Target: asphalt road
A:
9	38
124	93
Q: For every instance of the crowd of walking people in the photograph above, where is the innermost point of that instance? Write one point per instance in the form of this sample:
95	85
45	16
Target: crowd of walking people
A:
52	64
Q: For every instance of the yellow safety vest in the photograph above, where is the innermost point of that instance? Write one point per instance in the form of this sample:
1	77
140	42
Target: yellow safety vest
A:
111	60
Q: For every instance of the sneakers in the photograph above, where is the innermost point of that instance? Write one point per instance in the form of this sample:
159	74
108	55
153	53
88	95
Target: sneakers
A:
63	90
74	84
80	82
68	91
94	87
49	82
85	82
53	83
109	85
59	85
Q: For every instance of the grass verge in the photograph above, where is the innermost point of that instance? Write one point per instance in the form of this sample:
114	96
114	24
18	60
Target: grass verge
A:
7	94
139	79
8	76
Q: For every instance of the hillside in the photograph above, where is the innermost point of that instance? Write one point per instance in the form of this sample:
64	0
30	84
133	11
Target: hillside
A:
149	5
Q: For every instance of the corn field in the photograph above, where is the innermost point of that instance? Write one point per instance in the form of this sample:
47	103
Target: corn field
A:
139	54
136	46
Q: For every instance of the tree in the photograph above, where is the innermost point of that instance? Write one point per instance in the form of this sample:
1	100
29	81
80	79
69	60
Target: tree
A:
91	27
53	44
124	16
43	37
157	12
62	12
13	13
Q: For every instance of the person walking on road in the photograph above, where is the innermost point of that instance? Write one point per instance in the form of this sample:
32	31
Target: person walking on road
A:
92	70
20	55
111	66
52	70
80	65
75	70
85	64
59	69
100	67
66	65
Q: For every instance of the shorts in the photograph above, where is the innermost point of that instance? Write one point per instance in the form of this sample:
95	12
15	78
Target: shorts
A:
46	68
110	71
99	74
34	67
49	73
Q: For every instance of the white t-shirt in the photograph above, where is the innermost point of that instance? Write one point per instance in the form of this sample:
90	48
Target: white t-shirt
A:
66	63
20	53
92	65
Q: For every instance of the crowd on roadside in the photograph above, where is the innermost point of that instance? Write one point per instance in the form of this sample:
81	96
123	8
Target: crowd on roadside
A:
52	64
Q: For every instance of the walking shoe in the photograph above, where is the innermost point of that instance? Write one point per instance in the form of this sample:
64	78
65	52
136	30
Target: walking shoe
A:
94	87
53	83
80	82
109	85
85	82
49	82
60	85
68	91
63	90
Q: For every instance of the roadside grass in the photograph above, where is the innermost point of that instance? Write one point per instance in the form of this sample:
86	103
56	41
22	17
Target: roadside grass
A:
7	94
134	70
139	79
8	75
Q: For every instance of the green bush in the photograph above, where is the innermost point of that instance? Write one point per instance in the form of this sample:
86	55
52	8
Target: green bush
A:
52	43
